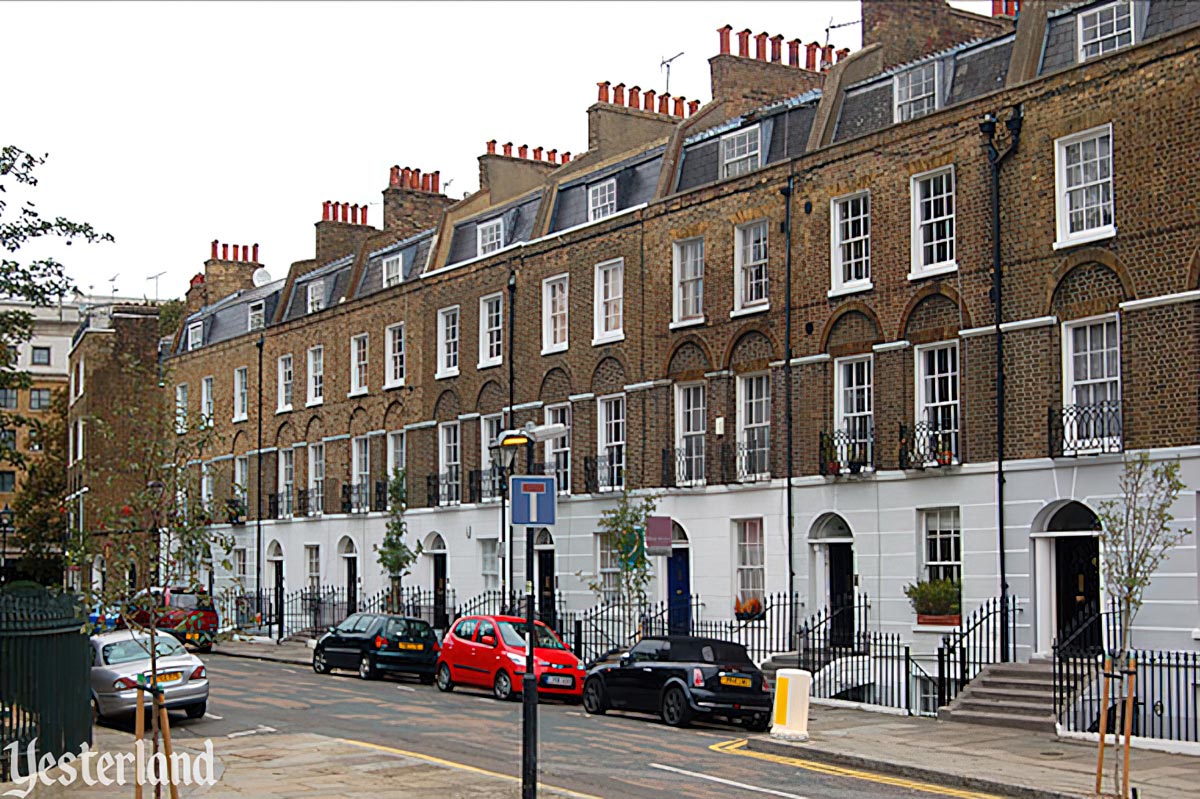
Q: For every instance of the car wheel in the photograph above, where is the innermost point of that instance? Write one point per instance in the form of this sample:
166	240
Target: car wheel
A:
502	687
675	710
366	670
320	665
760	723
444	683
595	698
197	710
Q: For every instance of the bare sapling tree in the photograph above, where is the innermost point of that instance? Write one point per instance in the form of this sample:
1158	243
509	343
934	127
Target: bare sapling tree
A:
394	554
1137	535
626	571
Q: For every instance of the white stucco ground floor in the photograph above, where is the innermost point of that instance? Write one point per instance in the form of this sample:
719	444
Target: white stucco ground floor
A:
869	534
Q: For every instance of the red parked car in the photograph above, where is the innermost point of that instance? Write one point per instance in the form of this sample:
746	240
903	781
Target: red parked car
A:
187	614
489	652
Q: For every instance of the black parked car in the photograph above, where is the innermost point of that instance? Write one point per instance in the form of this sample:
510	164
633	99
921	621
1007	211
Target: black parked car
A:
375	643
681	678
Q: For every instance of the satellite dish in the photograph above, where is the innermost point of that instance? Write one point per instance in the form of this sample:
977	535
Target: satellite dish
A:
261	277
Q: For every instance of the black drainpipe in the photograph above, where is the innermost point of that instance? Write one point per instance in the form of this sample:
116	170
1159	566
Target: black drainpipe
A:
995	160
787	389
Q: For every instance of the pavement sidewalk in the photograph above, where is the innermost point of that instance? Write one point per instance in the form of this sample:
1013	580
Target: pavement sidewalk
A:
297	653
990	759
306	765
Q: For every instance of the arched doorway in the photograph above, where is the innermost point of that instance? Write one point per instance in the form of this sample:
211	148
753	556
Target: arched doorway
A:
99	573
833	578
435	548
543	546
679	583
349	555
1067	557
275	562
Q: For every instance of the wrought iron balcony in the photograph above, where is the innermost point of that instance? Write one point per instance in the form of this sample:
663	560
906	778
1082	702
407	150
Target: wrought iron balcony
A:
303	495
483	485
280	505
747	461
849	451
604	472
1084	430
684	466
445	489
929	444
356	498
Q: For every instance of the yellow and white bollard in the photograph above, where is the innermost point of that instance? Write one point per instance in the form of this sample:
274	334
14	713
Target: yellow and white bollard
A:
790	714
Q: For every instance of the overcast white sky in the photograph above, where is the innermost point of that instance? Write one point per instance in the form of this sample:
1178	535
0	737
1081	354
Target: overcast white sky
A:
173	124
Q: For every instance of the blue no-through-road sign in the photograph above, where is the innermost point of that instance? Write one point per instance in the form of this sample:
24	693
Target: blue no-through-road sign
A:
534	500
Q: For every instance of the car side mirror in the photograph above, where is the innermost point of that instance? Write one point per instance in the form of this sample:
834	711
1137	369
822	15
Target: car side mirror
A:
488	640
625	660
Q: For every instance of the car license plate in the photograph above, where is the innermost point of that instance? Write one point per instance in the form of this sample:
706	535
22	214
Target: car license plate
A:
735	681
169	676
410	647
560	679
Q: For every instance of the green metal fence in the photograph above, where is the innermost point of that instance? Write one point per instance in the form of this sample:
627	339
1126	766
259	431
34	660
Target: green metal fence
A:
44	669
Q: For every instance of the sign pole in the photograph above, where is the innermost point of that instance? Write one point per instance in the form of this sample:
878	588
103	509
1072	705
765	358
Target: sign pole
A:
529	698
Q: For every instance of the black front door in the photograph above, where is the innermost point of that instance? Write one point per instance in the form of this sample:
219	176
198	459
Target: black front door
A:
841	594
440	621
679	589
1077	591
351	585
545	568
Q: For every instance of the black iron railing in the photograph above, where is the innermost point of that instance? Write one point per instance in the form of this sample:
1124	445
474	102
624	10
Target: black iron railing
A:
1084	429
483	485
747	461
832	632
445	489
604	473
928	444
684	466
977	642
847	451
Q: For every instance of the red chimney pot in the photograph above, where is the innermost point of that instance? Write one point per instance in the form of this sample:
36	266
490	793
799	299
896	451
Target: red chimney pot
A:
508	148
845	51
405	177
491	147
537	153
566	157
760	46
214	249
664	104
619	94
364	214
224	252
435	182
552	156
723	37
197	280
826	57
634	96
777	48
744	43
603	98
794	53
254	257
693	107
523	151
648	100
679	101
345	212
416	179
810	57
394	176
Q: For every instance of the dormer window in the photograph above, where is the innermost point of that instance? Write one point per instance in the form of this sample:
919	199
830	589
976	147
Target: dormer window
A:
1104	29
740	152
195	336
490	236
916	92
256	316
316	296
391	271
602	199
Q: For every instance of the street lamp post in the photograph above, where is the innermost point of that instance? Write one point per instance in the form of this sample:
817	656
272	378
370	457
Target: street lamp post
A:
6	527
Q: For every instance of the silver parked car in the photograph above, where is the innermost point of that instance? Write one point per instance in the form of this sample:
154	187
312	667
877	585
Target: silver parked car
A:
119	658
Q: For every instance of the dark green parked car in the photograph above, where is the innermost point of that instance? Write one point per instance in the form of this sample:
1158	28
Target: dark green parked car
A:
378	643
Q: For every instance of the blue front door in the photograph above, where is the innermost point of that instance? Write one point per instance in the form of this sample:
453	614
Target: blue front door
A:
679	593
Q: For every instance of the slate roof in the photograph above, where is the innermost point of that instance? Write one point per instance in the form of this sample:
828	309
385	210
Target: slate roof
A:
413	252
637	178
518	216
229	317
336	275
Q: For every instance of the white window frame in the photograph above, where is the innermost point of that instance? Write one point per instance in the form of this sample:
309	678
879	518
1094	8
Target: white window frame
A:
750	560
489	236
920	269
397	453
839	404
560	445
241	394
942	528
550	313
286	485
605	445
207	406
904	110
360	362
489	563
491	337
489	486
1062	204
312	566
360	474
1082	19
687	307
240	572
393	338
450	462
256	310
195	338
690	441
315	296
181	408
316	478
285	375
838	220
602	334
449	350
241	477
316	376
208	486
392	271
745	426
744	263
608	569
744	162
923	401
1068	372
602	199
77	380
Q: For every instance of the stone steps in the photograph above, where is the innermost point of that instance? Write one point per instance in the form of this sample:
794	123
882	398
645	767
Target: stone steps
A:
1016	695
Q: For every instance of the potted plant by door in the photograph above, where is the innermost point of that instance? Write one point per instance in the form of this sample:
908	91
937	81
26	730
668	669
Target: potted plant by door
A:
937	602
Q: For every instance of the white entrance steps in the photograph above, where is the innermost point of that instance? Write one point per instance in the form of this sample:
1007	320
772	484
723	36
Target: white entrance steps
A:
1019	695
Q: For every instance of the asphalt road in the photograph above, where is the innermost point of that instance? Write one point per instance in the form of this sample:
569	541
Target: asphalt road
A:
616	756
